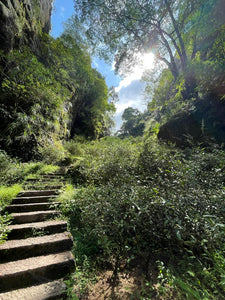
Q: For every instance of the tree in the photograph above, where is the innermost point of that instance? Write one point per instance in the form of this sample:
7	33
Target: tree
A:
133	123
50	97
125	28
94	118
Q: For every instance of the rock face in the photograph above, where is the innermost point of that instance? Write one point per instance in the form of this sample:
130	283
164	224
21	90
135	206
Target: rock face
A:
203	124
22	21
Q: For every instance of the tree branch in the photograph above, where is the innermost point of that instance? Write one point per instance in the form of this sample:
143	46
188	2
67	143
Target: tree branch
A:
167	46
183	56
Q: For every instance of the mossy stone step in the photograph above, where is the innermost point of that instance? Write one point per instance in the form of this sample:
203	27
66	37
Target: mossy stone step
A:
43	187
51	290
45	179
35	246
35	270
28	207
34	193
20	231
33	199
37	216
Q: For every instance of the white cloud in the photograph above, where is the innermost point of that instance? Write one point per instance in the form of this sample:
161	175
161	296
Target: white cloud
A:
146	63
62	12
136	75
120	107
130	89
95	64
130	96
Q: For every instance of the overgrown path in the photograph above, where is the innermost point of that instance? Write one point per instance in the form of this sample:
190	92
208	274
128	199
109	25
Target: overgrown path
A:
36	257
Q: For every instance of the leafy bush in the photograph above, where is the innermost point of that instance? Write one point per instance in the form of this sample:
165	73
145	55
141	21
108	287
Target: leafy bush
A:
47	98
5	163
109	159
52	154
151	199
4	221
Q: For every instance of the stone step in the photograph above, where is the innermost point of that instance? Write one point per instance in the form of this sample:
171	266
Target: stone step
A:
38	193
51	290
16	208
47	185
35	246
32	199
43	187
30	217
35	270
31	229
45	179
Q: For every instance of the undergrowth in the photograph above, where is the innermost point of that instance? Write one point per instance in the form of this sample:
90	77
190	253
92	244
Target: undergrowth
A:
138	200
133	198
6	195
13	173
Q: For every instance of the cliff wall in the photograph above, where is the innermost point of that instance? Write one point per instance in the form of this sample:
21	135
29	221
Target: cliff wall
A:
22	22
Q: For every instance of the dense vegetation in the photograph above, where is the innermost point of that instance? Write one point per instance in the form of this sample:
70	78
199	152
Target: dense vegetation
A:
138	200
50	96
132	200
141	199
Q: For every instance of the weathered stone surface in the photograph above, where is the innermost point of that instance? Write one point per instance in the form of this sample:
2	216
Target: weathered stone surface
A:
39	269
32	199
20	231
51	290
35	253
35	246
37	216
16	208
38	193
38	186
22	21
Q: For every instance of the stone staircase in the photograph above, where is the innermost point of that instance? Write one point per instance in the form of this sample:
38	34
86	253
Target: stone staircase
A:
36	257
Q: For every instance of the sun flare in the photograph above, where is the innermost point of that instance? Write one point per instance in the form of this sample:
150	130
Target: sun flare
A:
146	62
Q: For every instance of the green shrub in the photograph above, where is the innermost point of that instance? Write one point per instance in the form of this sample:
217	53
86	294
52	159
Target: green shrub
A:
106	160
52	154
4	161
4	222
134	199
74	147
17	172
6	195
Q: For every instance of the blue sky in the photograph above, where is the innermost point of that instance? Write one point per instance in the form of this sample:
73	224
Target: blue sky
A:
62	10
130	90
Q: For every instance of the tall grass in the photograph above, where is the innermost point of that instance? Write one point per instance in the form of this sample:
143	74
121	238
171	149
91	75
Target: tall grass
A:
6	196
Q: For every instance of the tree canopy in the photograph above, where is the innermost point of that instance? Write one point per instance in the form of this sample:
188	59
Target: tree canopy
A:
187	37
171	29
133	123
